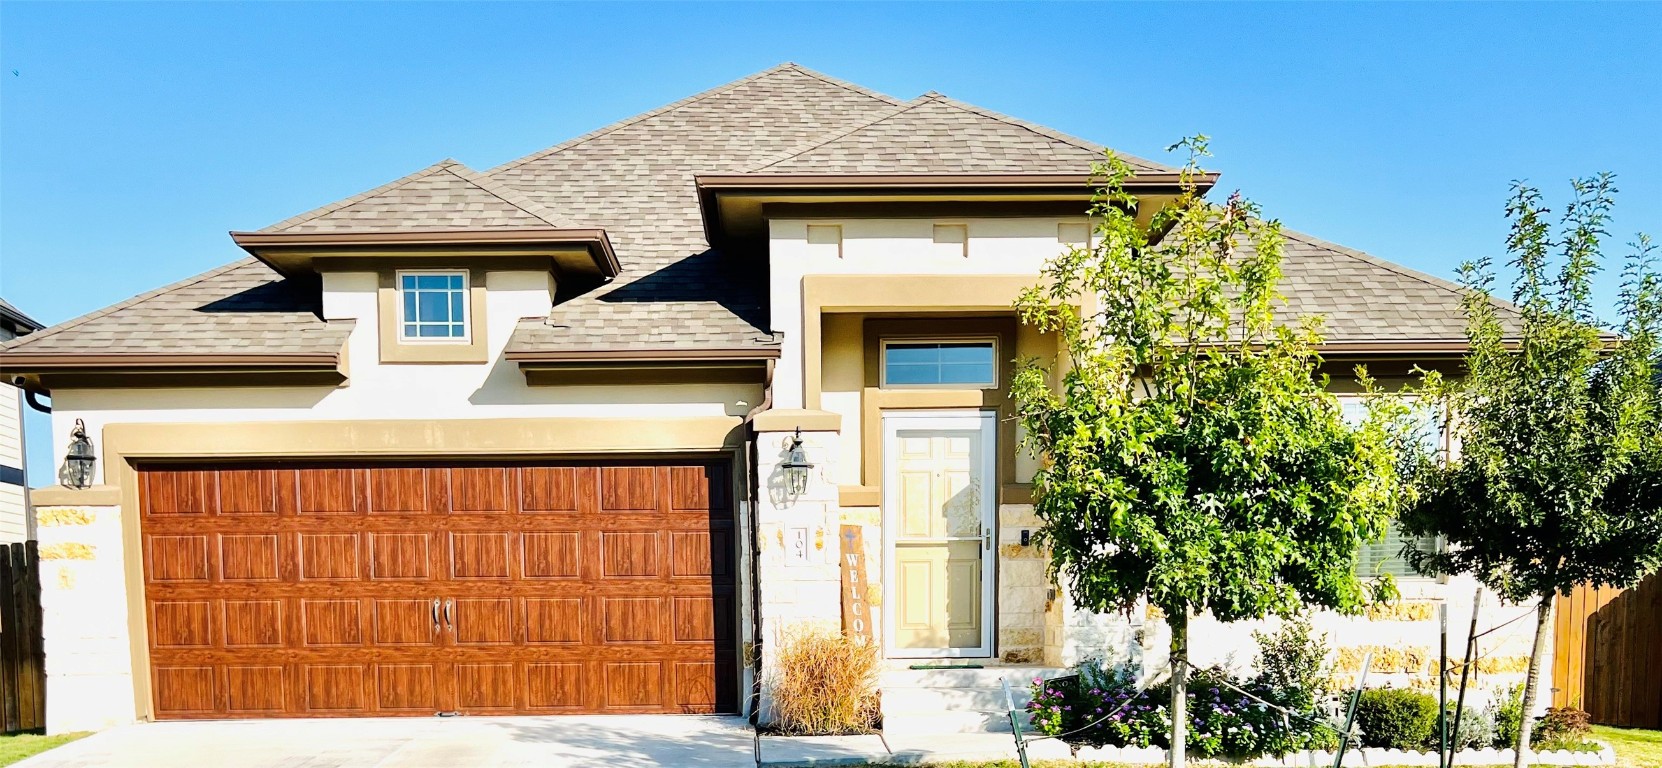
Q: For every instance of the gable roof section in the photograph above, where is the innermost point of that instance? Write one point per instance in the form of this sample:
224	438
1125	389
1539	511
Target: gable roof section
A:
23	322
446	195
935	134
242	308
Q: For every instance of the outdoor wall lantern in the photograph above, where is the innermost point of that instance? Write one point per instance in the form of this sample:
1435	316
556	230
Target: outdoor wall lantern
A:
796	465
79	461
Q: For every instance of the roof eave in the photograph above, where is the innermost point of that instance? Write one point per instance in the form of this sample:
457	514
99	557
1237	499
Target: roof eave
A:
641	355
596	242
888	186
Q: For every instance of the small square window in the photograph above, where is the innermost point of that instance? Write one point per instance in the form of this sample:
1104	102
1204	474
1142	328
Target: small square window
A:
940	364
433	306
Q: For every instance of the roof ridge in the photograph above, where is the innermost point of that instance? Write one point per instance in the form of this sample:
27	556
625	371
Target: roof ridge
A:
674	105
817	142
321	211
1049	133
855	87
1408	272
502	192
121	305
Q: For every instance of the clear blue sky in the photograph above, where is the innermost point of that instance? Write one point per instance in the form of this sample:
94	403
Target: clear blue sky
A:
133	136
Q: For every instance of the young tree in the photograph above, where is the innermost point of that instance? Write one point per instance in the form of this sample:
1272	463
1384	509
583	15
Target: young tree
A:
1193	455
1558	480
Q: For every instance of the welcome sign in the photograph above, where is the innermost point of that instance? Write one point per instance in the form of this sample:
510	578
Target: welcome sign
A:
856	612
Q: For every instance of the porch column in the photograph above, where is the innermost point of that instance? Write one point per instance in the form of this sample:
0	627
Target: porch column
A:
84	621
797	557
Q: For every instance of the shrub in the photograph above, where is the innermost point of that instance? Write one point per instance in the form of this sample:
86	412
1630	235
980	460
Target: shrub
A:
1477	728
825	683
1223	722
1396	718
1506	708
1291	660
1561	728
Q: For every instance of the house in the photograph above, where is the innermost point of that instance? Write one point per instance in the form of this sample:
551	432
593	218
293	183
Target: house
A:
15	522
522	440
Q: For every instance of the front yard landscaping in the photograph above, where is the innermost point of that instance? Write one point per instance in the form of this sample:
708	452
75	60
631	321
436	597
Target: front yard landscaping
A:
18	746
1635	747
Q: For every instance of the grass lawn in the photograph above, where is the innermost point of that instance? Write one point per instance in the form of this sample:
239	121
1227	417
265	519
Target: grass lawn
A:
20	745
1635	747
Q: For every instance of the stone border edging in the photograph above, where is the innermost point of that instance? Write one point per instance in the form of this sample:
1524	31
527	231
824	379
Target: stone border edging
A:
1362	758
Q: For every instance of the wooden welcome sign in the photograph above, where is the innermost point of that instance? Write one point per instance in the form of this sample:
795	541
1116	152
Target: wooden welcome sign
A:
856	612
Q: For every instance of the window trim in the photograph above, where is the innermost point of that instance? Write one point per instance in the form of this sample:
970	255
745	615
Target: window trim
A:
1444	451
883	360
394	349
467	310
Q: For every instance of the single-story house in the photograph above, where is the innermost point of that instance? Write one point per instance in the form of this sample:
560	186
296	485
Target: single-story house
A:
537	439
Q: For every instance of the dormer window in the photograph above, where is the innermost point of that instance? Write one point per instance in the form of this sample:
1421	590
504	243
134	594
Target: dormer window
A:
433	306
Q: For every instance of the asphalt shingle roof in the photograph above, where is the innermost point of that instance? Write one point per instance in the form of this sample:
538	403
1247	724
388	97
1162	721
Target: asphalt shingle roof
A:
935	134
635	179
242	308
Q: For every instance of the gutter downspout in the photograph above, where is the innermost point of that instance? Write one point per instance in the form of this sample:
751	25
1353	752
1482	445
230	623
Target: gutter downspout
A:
754	457
29	396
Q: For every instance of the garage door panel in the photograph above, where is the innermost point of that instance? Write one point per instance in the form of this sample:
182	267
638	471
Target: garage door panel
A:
253	690
400	556
480	490
551	554
334	688
253	623
250	557
332	622
481	555
178	557
326	491
307	590
329	556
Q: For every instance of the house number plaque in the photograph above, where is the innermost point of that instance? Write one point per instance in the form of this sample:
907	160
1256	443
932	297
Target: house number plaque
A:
856	612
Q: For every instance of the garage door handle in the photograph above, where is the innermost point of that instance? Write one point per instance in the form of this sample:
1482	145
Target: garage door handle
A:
447	622
435	614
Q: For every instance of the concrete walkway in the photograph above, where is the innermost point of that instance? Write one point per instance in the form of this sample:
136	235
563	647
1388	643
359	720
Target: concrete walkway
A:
817	751
464	742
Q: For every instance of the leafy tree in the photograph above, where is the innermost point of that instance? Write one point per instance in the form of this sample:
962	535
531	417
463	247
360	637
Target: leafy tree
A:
1193	456
1558	480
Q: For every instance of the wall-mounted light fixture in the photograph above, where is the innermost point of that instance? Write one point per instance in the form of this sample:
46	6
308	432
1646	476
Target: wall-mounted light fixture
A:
79	461
796	465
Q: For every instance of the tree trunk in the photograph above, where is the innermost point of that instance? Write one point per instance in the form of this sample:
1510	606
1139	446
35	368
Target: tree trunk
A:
1543	620
1179	687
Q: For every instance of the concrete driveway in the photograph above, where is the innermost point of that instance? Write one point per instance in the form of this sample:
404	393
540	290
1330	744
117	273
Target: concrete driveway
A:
462	742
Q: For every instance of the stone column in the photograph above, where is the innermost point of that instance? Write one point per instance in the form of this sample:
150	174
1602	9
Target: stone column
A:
84	617
797	556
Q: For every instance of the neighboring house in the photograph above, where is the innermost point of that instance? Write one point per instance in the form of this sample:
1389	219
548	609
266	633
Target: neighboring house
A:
513	441
16	523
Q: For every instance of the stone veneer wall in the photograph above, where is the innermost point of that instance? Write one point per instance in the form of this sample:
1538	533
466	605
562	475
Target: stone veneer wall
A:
806	594
83	585
1023	589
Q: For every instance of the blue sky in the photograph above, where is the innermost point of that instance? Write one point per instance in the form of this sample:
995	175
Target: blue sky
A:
134	136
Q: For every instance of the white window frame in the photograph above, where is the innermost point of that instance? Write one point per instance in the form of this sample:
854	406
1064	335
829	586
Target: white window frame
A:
1444	450
883	360
467	306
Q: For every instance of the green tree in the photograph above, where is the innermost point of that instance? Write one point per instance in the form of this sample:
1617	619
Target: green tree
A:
1558	478
1192	456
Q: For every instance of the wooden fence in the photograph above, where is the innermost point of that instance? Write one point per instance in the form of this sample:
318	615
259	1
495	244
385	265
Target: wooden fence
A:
22	652
1607	653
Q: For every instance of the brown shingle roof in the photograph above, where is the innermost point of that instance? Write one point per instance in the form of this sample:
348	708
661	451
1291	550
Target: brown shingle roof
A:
446	195
242	308
634	178
935	134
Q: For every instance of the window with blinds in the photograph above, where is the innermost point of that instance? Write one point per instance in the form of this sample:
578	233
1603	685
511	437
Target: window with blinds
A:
1385	556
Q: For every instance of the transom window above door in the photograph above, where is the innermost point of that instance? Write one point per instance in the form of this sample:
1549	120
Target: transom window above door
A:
432	306
967	363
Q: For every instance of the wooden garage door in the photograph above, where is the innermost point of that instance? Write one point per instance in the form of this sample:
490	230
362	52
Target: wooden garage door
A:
342	590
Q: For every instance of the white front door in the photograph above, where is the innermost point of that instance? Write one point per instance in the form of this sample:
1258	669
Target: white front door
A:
938	511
